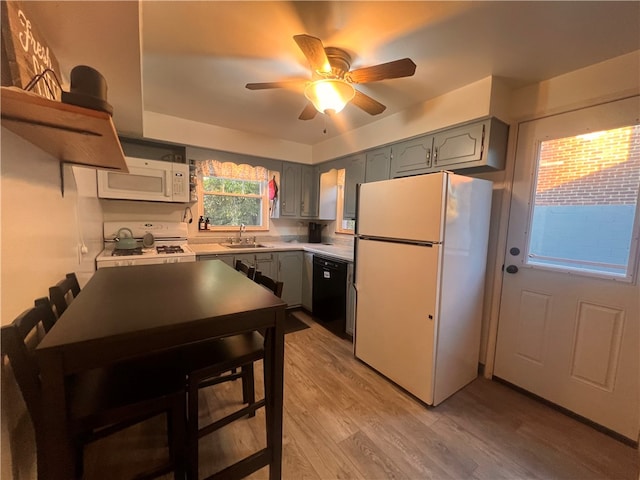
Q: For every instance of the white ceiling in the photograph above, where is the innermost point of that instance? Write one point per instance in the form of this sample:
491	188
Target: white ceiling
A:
193	59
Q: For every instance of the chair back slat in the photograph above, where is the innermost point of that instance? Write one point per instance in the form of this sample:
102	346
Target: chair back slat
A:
273	285
64	292
250	272
19	340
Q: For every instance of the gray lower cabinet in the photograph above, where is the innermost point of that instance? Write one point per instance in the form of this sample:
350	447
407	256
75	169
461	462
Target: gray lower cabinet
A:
265	263
378	165
228	259
307	281
354	174
290	268
351	302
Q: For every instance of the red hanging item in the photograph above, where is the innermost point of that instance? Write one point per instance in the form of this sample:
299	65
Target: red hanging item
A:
273	189
273	195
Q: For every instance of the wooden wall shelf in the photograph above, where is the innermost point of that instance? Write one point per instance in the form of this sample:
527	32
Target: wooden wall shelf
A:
71	134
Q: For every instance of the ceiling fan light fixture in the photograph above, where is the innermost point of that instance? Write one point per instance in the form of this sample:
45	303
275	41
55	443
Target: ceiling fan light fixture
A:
329	95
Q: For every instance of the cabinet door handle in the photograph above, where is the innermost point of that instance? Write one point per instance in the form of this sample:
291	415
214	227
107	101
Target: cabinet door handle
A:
435	156
428	154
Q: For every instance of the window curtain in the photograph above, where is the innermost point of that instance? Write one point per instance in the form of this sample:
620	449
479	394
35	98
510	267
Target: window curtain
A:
215	168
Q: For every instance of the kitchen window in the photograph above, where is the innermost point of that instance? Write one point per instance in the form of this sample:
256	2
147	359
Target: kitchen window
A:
584	215
232	194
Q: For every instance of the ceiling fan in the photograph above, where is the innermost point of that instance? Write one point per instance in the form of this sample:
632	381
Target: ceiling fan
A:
331	84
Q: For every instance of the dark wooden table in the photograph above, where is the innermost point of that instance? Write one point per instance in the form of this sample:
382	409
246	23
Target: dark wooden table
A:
130	311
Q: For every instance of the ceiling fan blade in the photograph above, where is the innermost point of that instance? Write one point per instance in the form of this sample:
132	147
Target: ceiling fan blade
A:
308	113
314	51
368	104
265	85
396	69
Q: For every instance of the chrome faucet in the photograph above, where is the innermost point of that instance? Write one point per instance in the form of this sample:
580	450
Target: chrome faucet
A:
243	227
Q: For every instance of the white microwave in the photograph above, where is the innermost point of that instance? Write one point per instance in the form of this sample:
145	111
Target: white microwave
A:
149	180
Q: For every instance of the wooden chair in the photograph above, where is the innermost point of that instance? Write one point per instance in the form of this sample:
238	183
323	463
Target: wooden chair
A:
100	401
212	363
250	272
273	285
217	359
63	293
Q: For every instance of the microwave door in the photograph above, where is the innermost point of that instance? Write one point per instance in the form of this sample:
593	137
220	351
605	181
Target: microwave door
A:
138	184
148	180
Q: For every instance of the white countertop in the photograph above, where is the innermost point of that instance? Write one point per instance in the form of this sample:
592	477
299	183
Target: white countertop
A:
341	252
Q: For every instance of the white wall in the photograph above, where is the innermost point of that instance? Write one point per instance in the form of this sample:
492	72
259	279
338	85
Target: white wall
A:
41	235
41	231
195	134
461	105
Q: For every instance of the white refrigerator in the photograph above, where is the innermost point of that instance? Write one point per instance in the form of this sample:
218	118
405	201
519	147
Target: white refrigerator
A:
420	261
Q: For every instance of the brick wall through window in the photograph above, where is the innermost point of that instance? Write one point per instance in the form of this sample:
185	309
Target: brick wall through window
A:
601	168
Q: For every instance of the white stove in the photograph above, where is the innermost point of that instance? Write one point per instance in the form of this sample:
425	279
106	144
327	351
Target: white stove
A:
158	242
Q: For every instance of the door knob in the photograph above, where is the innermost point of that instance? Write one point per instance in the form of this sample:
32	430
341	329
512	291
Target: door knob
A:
512	269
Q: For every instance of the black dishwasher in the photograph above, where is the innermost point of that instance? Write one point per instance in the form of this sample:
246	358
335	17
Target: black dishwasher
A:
330	293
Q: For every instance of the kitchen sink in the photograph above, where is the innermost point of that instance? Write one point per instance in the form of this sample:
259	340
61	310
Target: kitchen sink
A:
243	245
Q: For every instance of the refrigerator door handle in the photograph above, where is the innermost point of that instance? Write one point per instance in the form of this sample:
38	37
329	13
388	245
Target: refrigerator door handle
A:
355	315
399	240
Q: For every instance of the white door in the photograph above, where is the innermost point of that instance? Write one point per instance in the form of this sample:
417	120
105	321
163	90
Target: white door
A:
397	291
568	329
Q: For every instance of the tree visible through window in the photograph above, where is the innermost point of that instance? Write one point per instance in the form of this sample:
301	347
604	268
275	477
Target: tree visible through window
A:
230	202
232	195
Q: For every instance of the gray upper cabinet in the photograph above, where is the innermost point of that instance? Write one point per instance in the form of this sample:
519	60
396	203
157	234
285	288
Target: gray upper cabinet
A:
290	190
378	165
354	174
412	157
309	183
458	145
299	186
477	146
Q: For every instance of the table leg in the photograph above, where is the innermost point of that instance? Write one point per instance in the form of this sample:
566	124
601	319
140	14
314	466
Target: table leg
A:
57	448
274	372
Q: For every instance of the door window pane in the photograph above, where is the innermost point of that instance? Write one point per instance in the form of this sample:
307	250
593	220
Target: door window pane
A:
585	202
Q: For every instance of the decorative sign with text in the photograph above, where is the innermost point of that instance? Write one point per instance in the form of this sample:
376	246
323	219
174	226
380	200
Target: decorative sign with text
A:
25	54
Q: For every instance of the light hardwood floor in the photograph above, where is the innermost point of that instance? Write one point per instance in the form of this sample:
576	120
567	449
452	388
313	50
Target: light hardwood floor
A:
344	421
